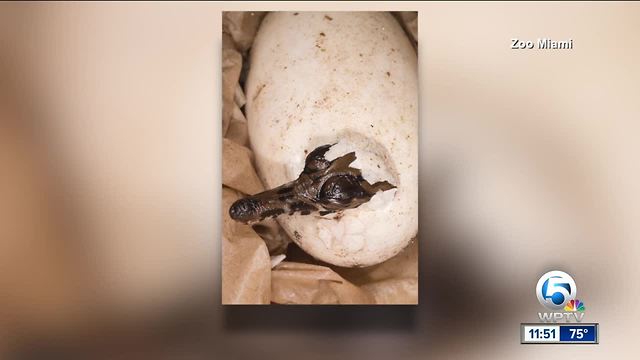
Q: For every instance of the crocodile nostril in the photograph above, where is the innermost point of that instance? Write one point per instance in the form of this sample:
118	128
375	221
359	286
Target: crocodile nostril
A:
244	209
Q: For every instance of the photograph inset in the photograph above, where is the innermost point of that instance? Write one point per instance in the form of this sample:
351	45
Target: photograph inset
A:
320	158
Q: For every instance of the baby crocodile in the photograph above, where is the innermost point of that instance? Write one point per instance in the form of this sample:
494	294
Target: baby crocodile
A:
323	186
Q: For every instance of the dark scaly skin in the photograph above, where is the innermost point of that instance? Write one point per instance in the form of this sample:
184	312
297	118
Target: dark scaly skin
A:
323	186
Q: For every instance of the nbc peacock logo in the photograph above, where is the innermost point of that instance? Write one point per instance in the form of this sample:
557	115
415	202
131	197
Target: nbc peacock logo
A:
574	305
556	290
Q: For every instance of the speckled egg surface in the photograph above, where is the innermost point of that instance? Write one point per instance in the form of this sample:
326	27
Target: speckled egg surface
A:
349	78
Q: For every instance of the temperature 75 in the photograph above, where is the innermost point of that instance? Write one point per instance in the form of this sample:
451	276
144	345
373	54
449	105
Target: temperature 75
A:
578	333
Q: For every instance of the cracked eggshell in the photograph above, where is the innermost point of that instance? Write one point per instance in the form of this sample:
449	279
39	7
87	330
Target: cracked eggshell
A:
350	77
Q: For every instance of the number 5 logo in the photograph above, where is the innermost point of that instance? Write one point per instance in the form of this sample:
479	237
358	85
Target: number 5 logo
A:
555	289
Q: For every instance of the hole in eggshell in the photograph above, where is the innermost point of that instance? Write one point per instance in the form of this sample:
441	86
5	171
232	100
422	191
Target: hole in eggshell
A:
372	158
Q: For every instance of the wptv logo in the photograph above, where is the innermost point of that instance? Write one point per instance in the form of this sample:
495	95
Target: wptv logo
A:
556	290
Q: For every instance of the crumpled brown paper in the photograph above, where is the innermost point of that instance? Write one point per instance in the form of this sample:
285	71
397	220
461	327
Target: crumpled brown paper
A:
299	283
246	266
231	67
252	268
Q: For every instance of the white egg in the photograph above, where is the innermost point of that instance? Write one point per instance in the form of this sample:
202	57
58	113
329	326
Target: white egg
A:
319	78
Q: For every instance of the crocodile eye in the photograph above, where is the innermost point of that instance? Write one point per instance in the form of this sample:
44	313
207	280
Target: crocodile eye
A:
342	189
244	209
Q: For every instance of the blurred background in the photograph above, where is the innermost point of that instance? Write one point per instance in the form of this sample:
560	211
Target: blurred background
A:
109	200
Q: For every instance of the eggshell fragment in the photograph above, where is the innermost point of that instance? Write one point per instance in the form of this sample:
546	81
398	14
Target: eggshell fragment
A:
348	78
